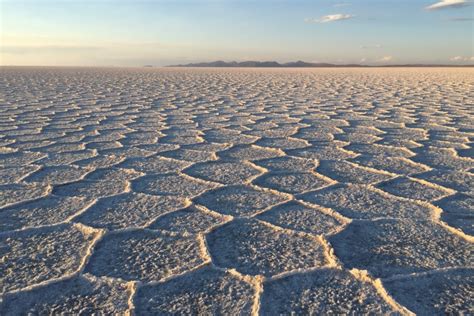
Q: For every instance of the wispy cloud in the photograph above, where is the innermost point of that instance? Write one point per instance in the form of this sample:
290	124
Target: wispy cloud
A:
28	49
461	58
461	19
443	4
330	18
385	59
341	4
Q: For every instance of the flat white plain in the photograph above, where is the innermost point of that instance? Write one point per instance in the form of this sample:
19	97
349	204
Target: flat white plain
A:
234	191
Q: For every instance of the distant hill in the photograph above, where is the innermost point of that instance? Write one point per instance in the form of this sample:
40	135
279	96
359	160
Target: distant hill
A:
296	64
261	64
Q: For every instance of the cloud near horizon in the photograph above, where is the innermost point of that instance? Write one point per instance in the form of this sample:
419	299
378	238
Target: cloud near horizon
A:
461	58
385	59
443	4
330	18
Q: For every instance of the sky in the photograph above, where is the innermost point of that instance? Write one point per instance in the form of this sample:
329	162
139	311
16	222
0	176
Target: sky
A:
164	32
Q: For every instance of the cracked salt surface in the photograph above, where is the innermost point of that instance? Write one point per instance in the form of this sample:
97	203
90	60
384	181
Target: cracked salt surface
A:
236	191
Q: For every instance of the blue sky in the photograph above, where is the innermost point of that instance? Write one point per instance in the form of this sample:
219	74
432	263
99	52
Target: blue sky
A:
134	33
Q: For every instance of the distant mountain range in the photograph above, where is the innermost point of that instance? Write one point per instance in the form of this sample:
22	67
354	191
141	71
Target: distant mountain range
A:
297	64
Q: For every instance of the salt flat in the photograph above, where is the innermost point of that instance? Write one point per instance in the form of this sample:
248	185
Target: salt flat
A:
236	191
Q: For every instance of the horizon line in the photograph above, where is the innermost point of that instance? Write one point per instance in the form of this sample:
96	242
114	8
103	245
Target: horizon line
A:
329	65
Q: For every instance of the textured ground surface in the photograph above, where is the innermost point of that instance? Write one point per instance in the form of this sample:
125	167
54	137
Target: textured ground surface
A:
236	191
